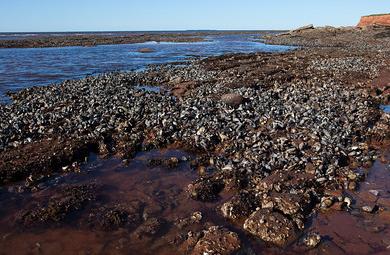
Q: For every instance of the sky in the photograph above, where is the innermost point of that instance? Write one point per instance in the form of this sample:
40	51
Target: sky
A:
151	15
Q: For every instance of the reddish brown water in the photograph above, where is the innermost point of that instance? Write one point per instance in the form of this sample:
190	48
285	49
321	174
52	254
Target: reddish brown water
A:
162	191
358	232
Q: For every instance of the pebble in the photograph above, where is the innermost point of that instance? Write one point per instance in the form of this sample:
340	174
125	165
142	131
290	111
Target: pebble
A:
368	209
374	192
312	240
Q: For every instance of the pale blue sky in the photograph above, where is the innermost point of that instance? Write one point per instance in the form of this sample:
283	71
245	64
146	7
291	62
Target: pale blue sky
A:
108	15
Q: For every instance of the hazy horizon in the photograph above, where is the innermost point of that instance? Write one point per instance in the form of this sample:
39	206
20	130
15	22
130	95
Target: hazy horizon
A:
148	31
26	16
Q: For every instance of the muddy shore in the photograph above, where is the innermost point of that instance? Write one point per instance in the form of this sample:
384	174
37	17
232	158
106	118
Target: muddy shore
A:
241	152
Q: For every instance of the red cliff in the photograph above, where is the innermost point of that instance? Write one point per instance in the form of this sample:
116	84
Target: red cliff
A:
378	19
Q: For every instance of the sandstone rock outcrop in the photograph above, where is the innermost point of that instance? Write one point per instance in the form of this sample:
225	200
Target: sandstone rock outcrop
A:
378	19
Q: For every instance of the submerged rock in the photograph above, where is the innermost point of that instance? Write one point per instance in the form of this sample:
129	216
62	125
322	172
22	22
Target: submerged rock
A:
116	216
69	199
312	240
150	227
217	240
146	50
171	162
369	208
205	189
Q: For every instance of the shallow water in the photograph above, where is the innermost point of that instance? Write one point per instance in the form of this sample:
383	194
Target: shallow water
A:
385	108
358	232
22	68
162	191
148	88
159	189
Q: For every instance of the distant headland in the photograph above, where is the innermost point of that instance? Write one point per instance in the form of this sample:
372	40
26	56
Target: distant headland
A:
375	19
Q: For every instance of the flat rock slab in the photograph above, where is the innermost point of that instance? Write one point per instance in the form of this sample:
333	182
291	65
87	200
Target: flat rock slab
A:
310	26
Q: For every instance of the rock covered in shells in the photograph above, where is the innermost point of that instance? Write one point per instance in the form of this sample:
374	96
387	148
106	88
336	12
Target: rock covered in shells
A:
205	189
240	205
312	240
217	240
271	227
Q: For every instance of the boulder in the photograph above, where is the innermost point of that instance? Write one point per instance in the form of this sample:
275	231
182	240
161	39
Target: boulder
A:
181	88
272	227
232	99
217	240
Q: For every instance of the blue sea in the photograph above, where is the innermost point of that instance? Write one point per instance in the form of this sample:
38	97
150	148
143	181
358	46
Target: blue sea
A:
26	67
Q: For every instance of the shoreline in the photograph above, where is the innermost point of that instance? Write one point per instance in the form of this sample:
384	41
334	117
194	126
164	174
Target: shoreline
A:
255	121
90	40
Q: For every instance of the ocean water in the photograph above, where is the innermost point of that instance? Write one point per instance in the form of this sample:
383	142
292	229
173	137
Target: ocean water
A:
27	67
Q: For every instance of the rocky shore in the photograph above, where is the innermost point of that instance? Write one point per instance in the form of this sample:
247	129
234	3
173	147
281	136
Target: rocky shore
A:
93	40
281	132
90	40
370	38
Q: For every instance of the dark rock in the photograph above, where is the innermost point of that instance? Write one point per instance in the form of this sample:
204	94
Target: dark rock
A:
241	205
171	162
150	227
116	216
146	50
342	161
70	199
206	189
196	217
